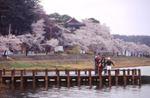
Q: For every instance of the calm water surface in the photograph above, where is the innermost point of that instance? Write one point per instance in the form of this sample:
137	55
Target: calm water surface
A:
82	92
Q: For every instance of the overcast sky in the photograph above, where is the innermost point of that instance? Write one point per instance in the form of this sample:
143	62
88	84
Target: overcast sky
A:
124	17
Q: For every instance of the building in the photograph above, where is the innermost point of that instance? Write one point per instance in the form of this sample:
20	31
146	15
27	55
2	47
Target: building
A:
59	49
73	24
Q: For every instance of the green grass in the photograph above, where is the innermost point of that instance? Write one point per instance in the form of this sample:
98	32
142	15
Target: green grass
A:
70	64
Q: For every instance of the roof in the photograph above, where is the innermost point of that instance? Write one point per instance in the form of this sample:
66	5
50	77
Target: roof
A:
74	22
64	29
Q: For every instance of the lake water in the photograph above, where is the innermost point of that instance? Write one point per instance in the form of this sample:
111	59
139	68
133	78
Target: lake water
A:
130	91
82	92
85	92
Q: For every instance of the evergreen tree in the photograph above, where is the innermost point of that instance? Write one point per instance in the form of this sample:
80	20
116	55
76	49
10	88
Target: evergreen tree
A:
19	14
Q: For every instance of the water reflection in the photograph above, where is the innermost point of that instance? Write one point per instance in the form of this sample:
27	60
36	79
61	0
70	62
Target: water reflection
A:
76	92
85	92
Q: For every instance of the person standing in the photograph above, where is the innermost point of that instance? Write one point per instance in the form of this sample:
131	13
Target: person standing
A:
5	54
108	65
97	62
103	62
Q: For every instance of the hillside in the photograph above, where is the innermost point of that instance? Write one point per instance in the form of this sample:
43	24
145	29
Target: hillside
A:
137	39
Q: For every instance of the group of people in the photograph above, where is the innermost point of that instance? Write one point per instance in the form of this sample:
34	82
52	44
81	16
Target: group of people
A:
103	64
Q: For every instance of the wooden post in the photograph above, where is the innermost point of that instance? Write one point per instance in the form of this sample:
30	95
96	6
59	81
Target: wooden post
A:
76	72
57	78
12	78
66	71
109	77
12	75
90	79
4	72
116	77
128	75
86	79
128	72
136	76
118	71
46	79
24	71
85	72
100	79
79	78
1	79
135	72
21	79
133	76
33	78
139	77
124	77
68	79
36	71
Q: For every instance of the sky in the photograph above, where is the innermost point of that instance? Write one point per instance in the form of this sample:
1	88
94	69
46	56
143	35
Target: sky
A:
124	17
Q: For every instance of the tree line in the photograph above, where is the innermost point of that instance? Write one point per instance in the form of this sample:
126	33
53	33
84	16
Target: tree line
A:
137	39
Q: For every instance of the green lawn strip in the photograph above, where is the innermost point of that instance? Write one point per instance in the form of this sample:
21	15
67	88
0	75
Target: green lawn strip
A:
71	64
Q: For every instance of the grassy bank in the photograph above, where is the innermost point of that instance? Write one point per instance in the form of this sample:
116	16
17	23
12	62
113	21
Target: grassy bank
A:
70	63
